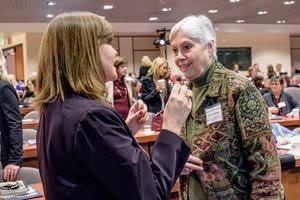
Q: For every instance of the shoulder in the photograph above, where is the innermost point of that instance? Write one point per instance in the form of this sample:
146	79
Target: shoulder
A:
6	89
233	81
267	95
4	84
147	80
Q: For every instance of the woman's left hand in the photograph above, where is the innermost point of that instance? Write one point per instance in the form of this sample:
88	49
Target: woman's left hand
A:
10	172
137	116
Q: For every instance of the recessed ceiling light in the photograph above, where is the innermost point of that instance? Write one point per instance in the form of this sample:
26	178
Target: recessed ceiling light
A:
240	21
263	12
51	3
107	7
153	18
234	1
212	11
280	21
289	2
49	16
166	9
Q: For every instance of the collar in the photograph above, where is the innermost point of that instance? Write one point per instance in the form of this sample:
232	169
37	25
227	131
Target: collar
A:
205	78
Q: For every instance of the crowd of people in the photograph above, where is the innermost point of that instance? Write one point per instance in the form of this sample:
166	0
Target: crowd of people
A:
216	133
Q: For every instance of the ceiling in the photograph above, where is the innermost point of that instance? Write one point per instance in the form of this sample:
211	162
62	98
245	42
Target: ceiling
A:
35	11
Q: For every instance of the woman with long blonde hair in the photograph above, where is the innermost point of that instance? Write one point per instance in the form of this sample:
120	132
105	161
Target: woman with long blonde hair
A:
85	149
155	90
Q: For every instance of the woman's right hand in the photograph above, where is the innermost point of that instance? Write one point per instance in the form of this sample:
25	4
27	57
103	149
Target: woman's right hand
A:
177	109
274	110
193	163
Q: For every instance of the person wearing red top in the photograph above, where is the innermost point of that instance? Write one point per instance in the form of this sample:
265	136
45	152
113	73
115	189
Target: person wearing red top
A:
120	91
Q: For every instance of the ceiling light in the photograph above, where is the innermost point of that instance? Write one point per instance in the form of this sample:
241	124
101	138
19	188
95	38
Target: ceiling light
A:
233	1
263	12
240	21
280	21
212	11
289	2
108	7
166	9
51	3
153	18
49	16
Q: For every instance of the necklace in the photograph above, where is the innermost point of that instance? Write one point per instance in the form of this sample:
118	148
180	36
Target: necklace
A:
123	90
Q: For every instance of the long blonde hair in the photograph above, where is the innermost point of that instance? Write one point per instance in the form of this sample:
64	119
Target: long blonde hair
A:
69	58
3	71
154	70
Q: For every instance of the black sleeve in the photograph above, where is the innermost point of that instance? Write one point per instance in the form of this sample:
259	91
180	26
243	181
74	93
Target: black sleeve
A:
121	166
10	109
148	93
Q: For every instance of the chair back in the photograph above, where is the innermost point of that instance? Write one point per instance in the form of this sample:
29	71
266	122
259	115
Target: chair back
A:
293	91
28	175
29	134
32	115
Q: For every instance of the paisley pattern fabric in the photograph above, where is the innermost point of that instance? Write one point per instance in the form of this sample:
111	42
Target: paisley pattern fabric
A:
239	152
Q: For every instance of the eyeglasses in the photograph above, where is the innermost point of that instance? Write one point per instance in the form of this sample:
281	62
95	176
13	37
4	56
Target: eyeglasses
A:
10	186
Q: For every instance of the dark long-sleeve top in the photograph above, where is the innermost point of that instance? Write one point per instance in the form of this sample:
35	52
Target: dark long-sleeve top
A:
10	126
86	151
290	101
151	96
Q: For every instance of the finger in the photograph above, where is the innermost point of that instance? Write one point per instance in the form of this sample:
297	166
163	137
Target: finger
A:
11	174
194	167
195	160
5	174
176	89
14	174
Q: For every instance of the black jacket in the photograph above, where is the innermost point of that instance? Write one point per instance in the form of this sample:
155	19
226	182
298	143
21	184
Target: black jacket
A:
151	96
86	151
10	126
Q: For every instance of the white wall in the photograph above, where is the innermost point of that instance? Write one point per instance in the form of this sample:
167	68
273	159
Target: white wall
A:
267	48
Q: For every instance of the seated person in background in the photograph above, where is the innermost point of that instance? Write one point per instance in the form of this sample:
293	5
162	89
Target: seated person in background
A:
11	141
155	90
252	72
120	91
270	71
235	67
29	93
258	81
279	102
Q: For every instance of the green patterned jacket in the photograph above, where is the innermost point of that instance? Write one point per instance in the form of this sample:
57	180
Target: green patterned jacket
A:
239	153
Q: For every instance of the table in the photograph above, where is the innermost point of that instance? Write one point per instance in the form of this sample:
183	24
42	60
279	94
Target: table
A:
146	140
288	122
30	124
39	187
24	111
30	156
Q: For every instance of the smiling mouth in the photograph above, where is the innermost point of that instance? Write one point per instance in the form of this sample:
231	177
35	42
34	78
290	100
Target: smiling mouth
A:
184	67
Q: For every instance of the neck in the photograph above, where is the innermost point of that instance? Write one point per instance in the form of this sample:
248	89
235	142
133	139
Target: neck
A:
276	94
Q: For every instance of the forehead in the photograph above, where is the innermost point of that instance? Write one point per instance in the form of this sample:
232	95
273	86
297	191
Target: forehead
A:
180	38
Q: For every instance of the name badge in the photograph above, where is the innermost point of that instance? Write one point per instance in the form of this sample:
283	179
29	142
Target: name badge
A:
214	114
281	104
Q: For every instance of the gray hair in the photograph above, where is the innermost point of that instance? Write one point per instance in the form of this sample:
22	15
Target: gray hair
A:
3	71
198	28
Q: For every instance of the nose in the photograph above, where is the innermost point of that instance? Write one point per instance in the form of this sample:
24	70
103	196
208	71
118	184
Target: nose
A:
180	56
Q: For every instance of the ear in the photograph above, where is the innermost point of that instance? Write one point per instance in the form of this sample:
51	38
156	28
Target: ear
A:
210	47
